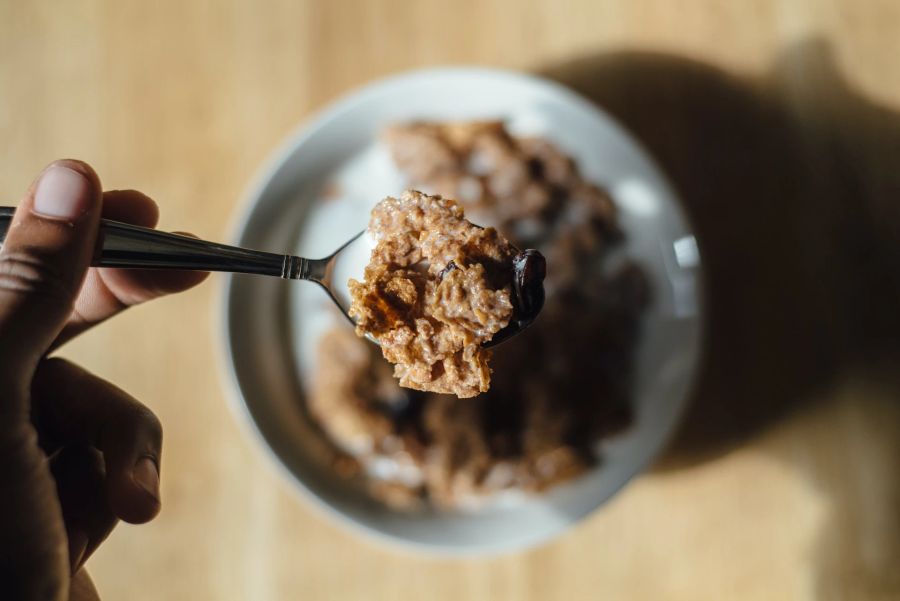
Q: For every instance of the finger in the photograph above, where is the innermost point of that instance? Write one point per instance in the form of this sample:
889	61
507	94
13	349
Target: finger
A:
43	262
130	206
71	406
109	291
80	477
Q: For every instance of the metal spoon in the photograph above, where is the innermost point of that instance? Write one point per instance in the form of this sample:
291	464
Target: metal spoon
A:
132	246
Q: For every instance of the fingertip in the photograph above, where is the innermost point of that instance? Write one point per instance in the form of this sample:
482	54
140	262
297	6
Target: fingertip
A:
67	191
130	206
146	475
78	165
81	168
132	462
137	509
135	497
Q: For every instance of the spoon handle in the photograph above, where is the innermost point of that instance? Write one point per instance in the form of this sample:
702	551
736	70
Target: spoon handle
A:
126	245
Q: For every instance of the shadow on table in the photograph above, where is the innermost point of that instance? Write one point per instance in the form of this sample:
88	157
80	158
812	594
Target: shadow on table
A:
792	183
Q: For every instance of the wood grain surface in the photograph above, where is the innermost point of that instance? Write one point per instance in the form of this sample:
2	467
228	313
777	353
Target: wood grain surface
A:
779	123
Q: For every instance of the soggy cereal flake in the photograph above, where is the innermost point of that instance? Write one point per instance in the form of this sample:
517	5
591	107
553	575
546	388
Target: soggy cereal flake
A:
435	289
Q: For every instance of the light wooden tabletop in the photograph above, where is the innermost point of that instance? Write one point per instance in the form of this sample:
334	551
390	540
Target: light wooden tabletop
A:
779	122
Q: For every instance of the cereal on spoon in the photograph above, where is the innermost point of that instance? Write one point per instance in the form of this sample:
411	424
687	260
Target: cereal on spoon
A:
436	289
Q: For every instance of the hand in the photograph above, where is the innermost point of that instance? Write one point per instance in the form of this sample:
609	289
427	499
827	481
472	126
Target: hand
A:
76	453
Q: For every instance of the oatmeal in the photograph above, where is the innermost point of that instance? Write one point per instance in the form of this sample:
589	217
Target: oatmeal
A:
556	390
436	288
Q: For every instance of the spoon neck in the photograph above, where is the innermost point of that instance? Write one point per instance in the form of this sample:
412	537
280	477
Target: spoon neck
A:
299	268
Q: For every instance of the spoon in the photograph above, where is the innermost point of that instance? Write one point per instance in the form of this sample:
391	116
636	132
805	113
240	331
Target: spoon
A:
132	246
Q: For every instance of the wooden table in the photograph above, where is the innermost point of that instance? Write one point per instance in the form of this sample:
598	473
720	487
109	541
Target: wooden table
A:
779	122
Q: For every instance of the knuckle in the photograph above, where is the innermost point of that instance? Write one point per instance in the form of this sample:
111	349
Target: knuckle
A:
146	420
26	273
55	367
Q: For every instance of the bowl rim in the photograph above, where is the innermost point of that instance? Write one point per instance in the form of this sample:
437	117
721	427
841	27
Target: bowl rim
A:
249	199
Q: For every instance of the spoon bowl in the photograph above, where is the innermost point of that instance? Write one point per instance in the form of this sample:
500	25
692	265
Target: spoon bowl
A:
334	272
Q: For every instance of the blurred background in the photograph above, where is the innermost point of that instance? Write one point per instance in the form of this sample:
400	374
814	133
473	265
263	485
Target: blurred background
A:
779	124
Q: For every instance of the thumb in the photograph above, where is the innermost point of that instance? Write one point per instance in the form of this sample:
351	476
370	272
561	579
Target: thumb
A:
44	259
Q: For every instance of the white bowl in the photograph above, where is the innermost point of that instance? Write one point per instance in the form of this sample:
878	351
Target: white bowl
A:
270	324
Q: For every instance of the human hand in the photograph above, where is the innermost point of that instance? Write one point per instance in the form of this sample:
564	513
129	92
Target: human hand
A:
77	454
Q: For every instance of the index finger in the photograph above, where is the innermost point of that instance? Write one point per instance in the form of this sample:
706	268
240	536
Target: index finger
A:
108	291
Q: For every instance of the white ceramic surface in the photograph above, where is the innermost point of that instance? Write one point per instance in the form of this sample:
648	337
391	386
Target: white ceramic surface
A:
271	325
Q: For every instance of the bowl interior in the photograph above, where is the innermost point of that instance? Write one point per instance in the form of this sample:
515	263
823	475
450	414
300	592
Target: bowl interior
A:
271	324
